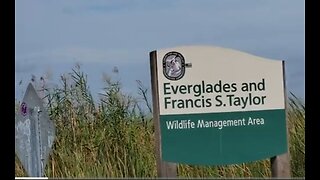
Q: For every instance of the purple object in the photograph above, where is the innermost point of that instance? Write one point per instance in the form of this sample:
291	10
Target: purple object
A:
23	109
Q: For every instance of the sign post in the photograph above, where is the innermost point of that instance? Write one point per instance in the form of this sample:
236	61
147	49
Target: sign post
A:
217	106
164	169
280	165
34	134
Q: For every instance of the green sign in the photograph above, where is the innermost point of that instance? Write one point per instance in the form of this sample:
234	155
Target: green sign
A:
219	106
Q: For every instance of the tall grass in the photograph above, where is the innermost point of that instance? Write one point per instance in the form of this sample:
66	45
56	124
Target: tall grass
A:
114	137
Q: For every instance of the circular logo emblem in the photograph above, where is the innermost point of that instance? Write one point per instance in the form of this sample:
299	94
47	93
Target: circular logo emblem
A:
23	109
173	66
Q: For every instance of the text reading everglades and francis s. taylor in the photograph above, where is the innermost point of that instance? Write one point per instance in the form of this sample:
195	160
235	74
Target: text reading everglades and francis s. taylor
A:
219	94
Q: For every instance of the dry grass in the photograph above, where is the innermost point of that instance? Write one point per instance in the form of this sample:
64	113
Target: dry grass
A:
115	137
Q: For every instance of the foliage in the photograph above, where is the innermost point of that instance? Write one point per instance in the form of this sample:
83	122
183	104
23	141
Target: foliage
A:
115	137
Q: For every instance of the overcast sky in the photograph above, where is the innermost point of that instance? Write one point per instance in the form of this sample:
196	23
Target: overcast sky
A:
52	36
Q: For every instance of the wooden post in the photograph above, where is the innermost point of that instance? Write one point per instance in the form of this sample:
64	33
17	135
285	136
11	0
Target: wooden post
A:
280	165
164	169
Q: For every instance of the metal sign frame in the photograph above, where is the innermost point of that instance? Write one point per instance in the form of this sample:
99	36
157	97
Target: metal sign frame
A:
34	134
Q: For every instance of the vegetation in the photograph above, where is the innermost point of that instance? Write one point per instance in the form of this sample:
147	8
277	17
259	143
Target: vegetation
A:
115	136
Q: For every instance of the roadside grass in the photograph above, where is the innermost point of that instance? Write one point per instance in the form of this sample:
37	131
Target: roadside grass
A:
115	136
